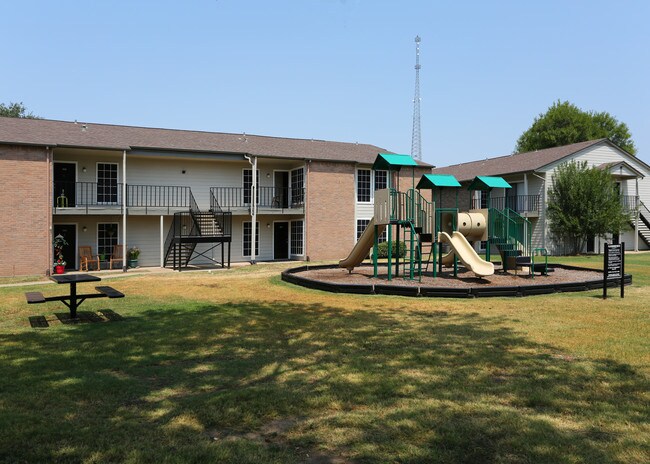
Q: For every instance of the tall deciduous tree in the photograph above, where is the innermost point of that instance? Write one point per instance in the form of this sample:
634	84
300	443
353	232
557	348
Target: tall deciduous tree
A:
16	110
584	202
564	123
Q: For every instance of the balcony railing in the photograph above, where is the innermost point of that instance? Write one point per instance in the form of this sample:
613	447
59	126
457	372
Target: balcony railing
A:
98	195
229	198
629	202
518	203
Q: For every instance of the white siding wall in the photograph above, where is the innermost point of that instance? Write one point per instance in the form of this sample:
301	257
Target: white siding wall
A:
600	154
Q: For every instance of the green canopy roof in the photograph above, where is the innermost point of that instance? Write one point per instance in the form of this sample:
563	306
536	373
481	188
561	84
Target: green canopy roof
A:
391	162
430	181
488	183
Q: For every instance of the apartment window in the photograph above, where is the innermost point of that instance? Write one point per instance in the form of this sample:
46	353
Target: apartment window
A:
363	185
362	224
381	180
107	183
246	239
297	239
107	238
248	184
297	186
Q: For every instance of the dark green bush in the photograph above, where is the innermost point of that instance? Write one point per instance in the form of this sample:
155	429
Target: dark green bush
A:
382	250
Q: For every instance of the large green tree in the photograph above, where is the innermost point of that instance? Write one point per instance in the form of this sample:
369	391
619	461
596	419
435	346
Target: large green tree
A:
583	202
16	110
564	123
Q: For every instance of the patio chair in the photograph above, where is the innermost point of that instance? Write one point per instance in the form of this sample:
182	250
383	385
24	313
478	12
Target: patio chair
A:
86	258
117	256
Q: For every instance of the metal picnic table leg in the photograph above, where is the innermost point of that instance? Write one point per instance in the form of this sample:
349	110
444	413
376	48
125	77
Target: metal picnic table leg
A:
73	300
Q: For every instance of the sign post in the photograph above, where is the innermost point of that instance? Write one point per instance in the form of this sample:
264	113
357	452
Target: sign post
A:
614	266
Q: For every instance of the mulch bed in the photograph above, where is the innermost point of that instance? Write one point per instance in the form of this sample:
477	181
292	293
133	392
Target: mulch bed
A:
466	279
560	278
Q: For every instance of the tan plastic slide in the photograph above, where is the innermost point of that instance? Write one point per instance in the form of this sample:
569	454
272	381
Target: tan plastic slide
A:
363	246
467	254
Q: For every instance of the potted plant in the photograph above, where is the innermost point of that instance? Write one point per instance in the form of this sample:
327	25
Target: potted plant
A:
134	253
59	264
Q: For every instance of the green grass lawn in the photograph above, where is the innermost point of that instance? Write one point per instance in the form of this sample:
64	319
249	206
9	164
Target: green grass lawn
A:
240	367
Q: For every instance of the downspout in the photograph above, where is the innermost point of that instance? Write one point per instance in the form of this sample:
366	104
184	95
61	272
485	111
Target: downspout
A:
124	256
543	212
49	155
304	232
253	162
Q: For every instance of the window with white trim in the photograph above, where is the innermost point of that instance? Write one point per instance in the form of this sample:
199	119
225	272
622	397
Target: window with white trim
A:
247	182
362	224
297	186
107	190
297	237
107	238
381	180
247	232
363	185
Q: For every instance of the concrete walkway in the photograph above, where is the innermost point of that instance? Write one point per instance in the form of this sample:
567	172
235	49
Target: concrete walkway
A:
140	271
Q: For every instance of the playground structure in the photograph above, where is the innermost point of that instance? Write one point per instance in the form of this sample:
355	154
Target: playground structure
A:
426	229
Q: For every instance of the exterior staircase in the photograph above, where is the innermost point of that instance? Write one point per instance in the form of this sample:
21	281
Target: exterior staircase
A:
644	223
192	227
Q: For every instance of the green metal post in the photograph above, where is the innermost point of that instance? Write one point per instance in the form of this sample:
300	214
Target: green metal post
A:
390	251
375	250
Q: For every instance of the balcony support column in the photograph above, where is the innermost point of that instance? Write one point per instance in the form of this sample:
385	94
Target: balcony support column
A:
636	214
124	255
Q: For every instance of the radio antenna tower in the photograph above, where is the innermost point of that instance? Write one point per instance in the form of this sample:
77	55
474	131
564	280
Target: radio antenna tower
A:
416	141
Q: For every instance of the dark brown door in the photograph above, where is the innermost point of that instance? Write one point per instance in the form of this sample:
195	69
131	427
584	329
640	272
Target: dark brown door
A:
69	233
65	176
280	240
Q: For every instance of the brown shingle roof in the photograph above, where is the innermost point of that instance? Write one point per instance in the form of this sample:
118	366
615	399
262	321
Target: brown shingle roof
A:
90	135
510	164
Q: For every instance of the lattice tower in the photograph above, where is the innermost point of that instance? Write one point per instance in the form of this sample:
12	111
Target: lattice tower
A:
416	140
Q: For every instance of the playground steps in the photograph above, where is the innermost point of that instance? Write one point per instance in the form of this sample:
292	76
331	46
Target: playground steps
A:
511	256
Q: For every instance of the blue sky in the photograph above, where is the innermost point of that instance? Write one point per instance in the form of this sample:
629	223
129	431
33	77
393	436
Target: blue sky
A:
331	69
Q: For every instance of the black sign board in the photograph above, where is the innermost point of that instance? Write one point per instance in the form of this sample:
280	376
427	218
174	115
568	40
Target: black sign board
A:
614	266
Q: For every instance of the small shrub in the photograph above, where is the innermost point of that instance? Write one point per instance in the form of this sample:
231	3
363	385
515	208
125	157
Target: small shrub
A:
382	250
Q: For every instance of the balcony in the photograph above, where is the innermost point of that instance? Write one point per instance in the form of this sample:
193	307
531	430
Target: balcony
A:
273	199
629	202
98	198
527	205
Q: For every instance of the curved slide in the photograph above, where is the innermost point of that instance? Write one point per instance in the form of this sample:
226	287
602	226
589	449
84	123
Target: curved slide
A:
467	254
362	248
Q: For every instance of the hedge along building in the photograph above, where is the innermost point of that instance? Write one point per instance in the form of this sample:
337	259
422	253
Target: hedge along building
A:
531	177
104	185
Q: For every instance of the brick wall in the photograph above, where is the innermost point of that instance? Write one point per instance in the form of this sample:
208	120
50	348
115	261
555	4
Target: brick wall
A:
25	212
330	210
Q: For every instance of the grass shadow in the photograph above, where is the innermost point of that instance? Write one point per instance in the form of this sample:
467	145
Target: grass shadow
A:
421	386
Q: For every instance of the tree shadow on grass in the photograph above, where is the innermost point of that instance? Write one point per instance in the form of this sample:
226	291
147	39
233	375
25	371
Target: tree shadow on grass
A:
414	386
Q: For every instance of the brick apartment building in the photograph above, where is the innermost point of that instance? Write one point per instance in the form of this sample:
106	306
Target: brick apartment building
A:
103	185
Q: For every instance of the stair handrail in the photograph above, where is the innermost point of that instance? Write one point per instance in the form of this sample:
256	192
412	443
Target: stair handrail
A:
645	218
214	203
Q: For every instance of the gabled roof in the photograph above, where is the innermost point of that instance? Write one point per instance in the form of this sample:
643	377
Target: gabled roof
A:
45	132
488	183
511	164
431	181
392	162
621	169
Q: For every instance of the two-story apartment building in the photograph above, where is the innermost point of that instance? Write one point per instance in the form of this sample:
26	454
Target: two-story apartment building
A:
531	176
102	185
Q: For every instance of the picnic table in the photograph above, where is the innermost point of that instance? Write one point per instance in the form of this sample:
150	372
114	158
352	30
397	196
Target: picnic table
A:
73	300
